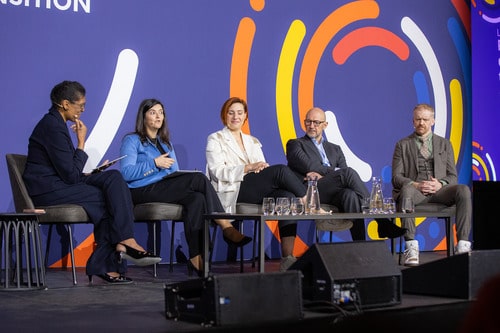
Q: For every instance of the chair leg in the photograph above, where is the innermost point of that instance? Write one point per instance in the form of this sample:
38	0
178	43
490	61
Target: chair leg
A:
49	237
254	246
256	222
72	253
232	249
71	250
155	269
240	229
172	237
211	245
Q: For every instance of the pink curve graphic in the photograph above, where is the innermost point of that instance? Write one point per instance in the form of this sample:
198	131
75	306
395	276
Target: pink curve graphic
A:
369	36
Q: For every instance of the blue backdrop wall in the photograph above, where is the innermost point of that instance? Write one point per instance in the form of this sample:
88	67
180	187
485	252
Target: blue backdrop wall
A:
366	62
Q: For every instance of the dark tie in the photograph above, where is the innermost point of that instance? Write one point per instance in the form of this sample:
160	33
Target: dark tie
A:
424	149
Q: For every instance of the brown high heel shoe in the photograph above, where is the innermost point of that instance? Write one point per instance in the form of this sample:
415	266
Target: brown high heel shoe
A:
233	236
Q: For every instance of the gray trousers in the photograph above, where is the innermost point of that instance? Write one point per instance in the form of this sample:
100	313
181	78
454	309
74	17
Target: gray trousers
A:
449	195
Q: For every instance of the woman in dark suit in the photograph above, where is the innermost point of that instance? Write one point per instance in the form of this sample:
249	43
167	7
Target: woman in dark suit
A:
53	176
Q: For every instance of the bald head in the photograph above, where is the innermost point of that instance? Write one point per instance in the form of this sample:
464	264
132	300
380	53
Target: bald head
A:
315	123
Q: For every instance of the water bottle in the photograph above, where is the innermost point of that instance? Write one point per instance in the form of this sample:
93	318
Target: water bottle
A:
312	205
376	197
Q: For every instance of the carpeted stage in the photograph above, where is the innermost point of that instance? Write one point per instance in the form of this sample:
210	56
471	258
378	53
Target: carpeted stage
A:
140	307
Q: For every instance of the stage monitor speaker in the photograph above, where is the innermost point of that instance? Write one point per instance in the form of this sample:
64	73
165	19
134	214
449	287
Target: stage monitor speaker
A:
350	274
458	276
485	226
230	299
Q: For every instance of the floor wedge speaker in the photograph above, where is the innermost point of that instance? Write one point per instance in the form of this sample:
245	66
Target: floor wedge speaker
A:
458	276
231	299
350	274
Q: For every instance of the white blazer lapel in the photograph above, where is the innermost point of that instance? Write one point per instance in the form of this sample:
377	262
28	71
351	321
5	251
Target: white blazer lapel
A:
231	144
253	149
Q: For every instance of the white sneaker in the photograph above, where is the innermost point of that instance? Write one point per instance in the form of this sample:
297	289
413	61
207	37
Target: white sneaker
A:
411	253
333	224
463	247
286	262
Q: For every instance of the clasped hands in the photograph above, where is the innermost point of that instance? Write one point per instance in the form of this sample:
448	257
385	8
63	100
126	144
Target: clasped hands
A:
312	175
429	186
164	162
256	167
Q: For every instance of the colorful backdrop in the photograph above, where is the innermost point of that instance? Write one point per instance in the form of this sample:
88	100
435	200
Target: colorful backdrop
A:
485	20
366	62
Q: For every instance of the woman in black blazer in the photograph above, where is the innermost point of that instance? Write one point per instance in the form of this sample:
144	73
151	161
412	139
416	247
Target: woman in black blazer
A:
54	175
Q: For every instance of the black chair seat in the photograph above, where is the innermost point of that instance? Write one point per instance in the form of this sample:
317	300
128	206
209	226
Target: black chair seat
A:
157	211
63	213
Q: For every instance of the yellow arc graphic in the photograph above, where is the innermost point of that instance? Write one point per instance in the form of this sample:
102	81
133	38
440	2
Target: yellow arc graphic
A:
284	81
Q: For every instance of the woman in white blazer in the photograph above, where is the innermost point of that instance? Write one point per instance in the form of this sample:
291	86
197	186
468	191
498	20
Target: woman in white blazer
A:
239	172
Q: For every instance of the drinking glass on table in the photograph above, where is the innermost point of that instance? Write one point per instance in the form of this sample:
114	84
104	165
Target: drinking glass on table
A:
282	206
268	206
389	206
296	206
365	205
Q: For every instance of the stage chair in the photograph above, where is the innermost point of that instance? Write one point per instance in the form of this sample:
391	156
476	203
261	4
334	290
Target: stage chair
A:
155	212
249	209
57	214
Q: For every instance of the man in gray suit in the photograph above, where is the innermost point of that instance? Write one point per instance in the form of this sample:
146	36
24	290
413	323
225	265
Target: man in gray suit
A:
423	168
338	185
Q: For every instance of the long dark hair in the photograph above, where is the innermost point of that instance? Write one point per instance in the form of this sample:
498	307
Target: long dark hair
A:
140	129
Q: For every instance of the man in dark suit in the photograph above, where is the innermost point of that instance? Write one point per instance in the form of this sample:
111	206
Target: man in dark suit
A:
338	184
423	168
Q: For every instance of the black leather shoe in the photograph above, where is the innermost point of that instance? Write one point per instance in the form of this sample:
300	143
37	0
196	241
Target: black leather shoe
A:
387	229
138	257
120	279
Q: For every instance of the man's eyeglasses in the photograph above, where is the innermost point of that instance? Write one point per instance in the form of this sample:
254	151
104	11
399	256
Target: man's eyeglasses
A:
79	105
309	122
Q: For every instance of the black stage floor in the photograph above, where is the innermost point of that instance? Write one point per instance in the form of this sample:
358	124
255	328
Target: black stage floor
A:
140	307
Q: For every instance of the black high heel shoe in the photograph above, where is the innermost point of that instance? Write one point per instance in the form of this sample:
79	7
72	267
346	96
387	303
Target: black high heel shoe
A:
231	235
112	279
192	269
138	257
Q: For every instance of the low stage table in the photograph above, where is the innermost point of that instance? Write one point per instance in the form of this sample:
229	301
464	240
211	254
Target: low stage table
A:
260	220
